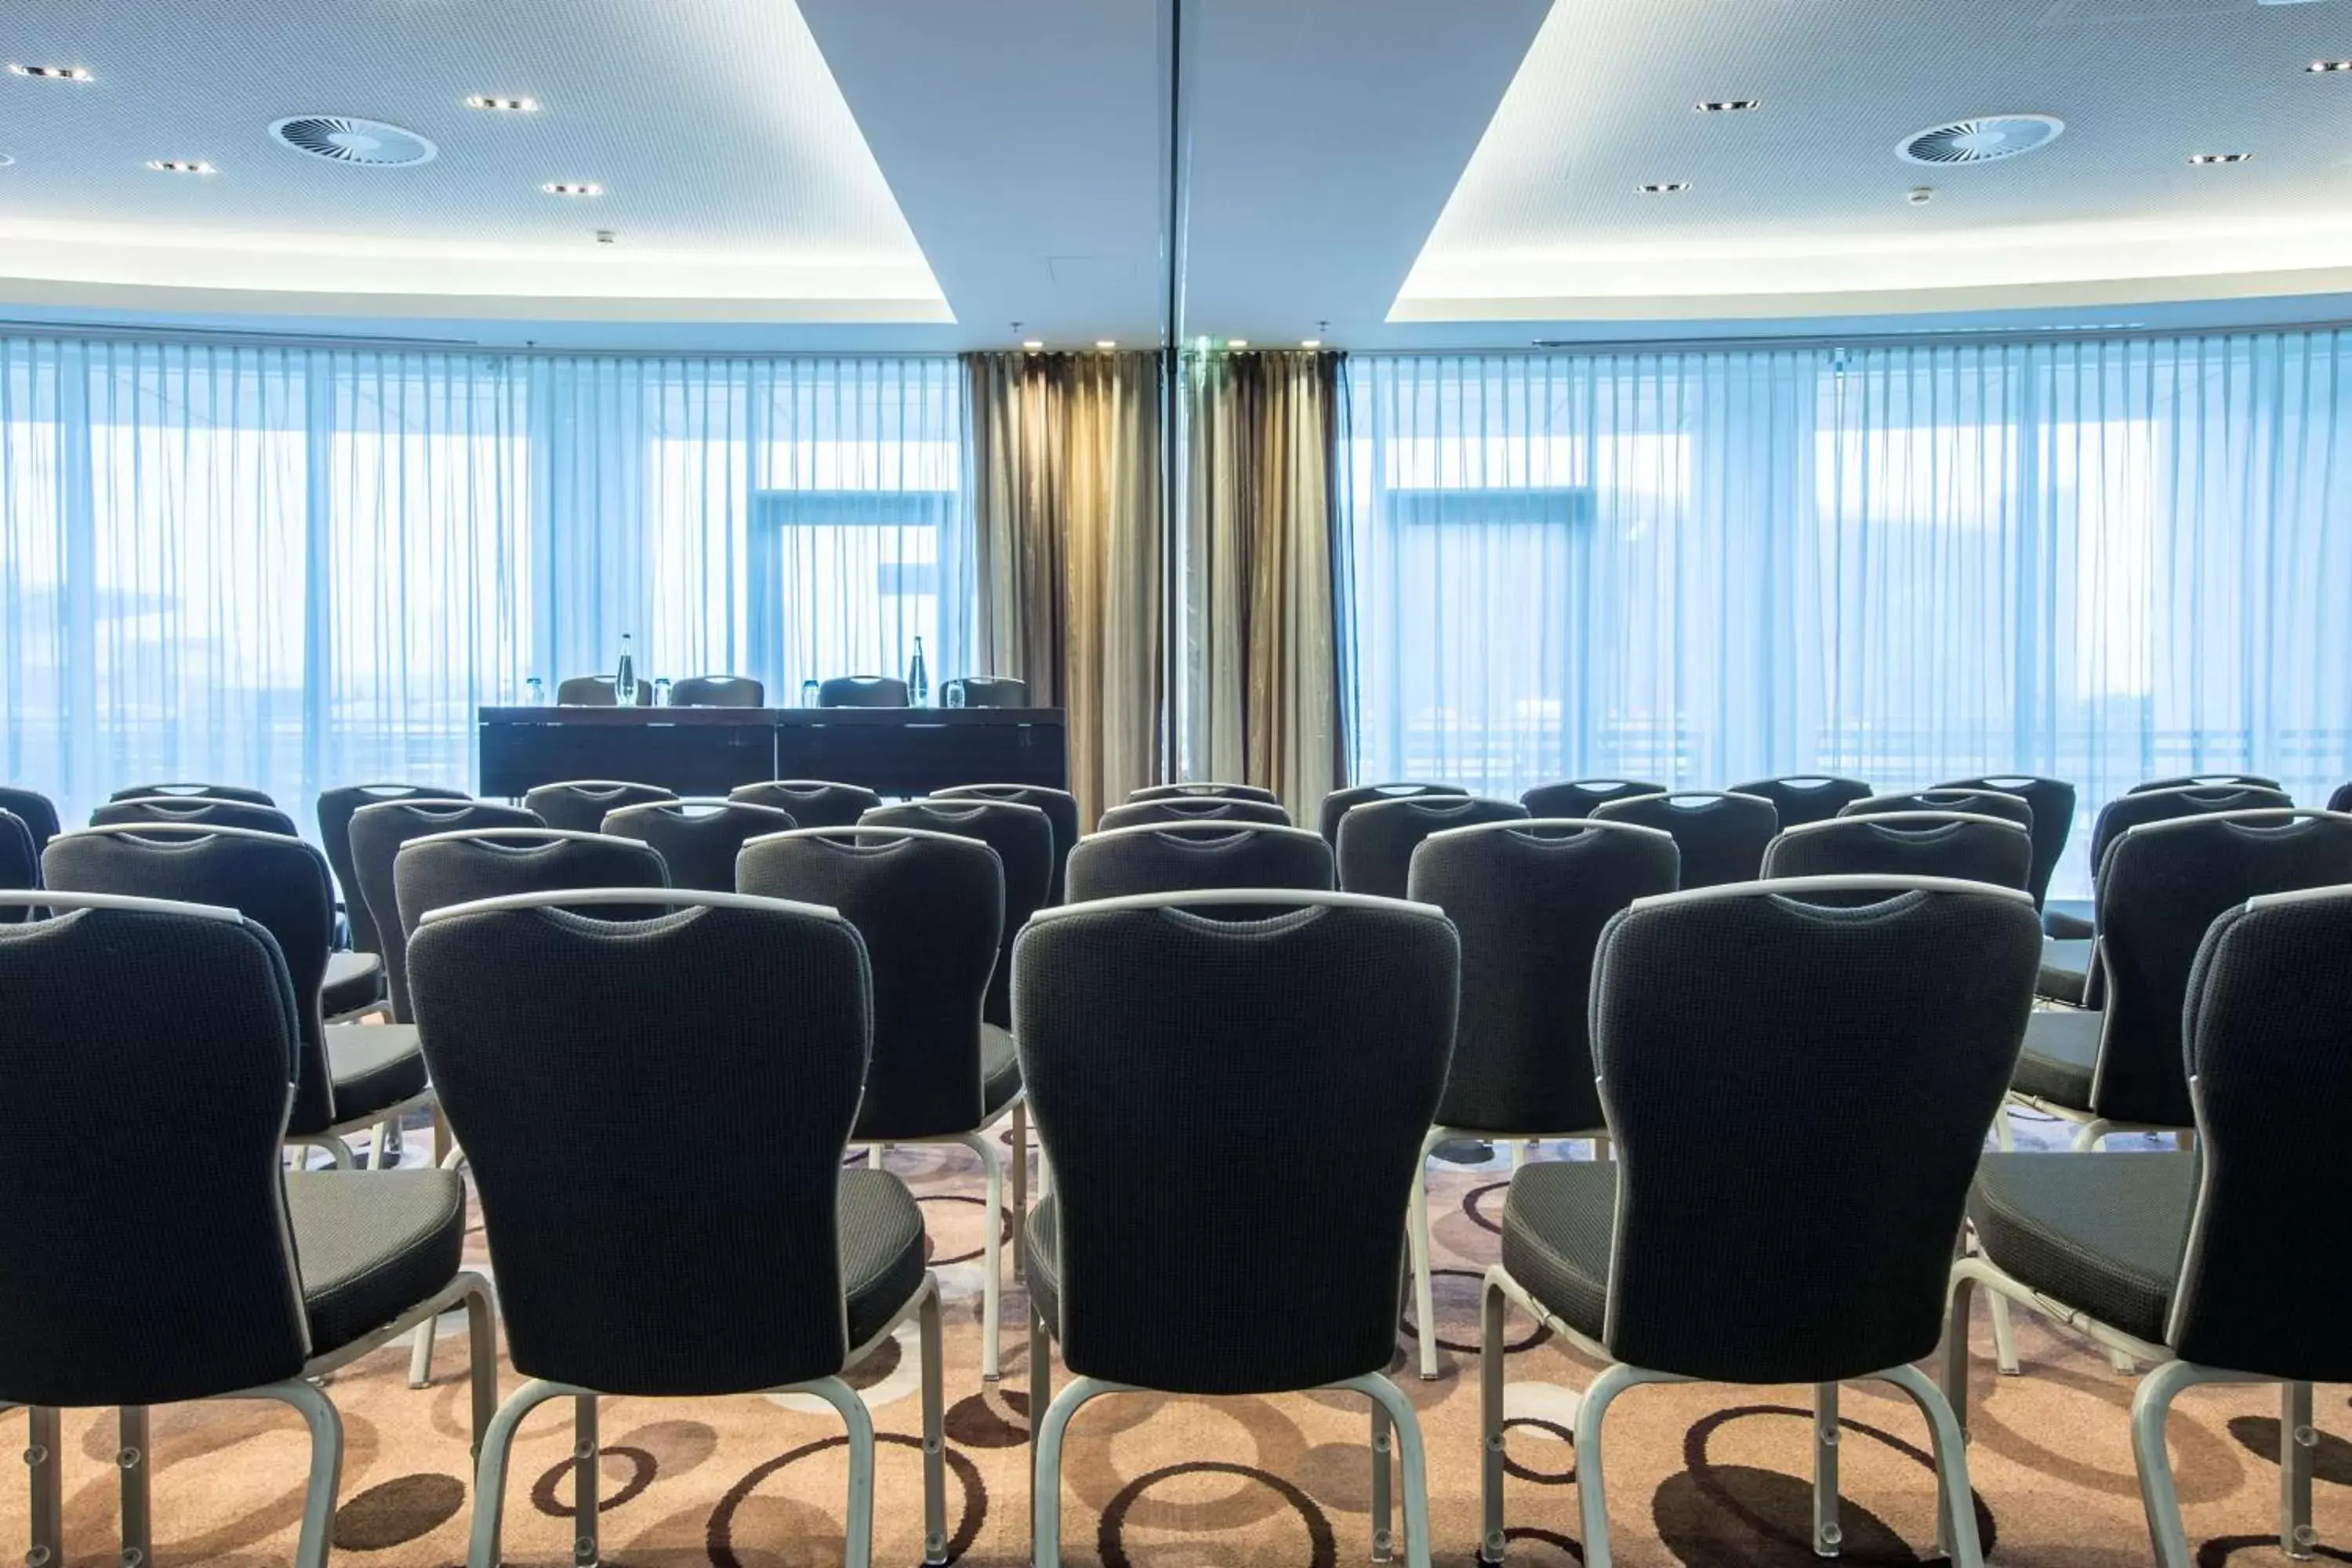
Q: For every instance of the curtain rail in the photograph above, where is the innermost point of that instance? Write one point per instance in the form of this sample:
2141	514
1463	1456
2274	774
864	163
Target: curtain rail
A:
470	347
1925	337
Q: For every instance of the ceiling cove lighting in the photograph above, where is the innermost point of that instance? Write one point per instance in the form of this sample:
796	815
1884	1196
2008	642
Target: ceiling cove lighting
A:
1663	187
573	188
503	105
1310	343
1034	344
1727	105
181	166
1106	342
52	73
1231	343
2328	68
2219	157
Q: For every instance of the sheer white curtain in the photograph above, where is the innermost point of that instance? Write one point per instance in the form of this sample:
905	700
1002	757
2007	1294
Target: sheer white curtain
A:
2104	560
295	567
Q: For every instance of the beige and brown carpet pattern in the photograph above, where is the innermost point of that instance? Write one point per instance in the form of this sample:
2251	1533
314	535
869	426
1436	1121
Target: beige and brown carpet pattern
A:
1702	1476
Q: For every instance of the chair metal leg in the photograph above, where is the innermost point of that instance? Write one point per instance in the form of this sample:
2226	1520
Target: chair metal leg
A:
130	1458
1411	1458
482	1353
1041	1371
1827	1532
935	1479
2004	1329
46	1547
1020	1187
1956	1507
991	1294
420	1354
2159	1496
326	1425
1045	1475
1424	1312
1592	1494
587	1476
1490	1421
2297	1439
1519	1147
1382	1541
483	1548
857	1549
379	1146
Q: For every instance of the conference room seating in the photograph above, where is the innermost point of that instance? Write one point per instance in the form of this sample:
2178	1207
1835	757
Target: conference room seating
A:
1992	803
1061	809
597	692
2339	801
35	810
1800	798
20	864
135	1282
336	808
1377	839
1339	802
468	864
984	691
347	1077
1575	798
862	691
930	909
1719	1245
716	1246
1232	809
1961	845
187	791
193	812
580	806
2230	1265
697	839
378	832
1153	1037
1204	789
1529	900
2207	781
1722	836
1175	856
812	802
718	691
1023	837
2052	803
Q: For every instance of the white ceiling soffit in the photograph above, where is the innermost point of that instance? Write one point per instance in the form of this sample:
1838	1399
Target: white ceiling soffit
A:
1801	208
734	180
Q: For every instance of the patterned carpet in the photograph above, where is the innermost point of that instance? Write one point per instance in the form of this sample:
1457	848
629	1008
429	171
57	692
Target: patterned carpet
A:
1707	1476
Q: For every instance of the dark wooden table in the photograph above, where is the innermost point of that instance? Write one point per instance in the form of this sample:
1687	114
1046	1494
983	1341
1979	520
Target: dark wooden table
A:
708	750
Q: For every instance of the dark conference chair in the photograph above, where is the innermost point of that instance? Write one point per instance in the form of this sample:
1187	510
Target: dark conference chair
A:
1800	798
1023	837
698	839
1061	809
1172	857
1997	803
20	864
378	834
2207	781
1955	845
1340	802
134	1281
238	793
2052	802
1722	836
930	907
473	864
193	812
1377	839
718	691
1203	790
813	802
733	1028
1231	810
336	808
985	692
1815	1025
2226	1266
862	691
1577	798
1529	900
2340	801
35	810
580	806
597	692
1151	1036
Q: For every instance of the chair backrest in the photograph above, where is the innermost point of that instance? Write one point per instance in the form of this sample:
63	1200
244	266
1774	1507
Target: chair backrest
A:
580	806
1722	836
1340	802
1529	900
188	791
2269	1010
2052	804
278	883
1231	810
2207	781
597	692
2340	801
1170	857
335	809
446	868
131	1279
2126	812
717	691
20	864
813	802
1377	839
698	839
862	691
1577	798
985	692
1179	1070
1887	1032
193	812
1023	841
1800	798
723	1049
378	832
35	810
2164	885
1997	803
1955	845
930	909
1061	809
1203	790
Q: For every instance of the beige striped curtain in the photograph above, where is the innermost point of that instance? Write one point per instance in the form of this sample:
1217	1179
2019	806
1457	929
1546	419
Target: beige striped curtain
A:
1067	551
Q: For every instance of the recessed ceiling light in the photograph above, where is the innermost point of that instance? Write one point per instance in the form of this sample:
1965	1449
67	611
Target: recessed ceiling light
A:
2219	157
1236	343
1310	343
180	166
1106	342
1727	105
1034	344
504	105
1663	187
2329	67
52	73
573	188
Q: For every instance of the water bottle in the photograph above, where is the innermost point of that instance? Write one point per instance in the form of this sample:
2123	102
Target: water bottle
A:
918	679
625	679
538	692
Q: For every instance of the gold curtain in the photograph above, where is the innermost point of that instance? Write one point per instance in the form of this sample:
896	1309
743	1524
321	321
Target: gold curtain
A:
1260	700
1067	548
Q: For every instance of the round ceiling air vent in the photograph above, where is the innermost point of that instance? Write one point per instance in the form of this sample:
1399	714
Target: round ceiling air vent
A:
1983	139
347	139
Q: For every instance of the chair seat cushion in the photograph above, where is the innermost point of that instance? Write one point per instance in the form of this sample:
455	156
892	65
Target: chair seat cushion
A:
1000	1070
1042	1269
1556	1228
373	1244
2065	970
374	1066
2067	918
881	1249
2062	1048
2102	1233
355	980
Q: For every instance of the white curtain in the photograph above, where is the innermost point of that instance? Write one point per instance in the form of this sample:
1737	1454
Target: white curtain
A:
293	567
2104	560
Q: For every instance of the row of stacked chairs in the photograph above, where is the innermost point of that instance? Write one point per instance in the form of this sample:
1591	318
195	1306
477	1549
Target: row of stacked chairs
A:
938	892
